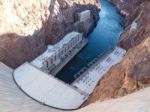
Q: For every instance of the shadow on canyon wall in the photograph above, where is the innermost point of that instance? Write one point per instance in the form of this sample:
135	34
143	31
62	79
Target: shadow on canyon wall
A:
16	49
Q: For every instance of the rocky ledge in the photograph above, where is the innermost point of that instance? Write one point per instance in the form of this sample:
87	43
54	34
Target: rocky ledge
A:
27	26
133	73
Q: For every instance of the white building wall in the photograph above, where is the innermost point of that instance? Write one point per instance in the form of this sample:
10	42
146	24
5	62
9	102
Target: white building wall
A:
89	79
55	52
47	89
84	15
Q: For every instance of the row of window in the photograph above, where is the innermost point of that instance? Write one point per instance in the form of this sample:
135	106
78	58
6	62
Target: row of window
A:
63	51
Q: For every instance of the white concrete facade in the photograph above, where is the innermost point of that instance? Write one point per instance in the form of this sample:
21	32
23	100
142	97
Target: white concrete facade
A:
55	53
84	15
89	79
47	89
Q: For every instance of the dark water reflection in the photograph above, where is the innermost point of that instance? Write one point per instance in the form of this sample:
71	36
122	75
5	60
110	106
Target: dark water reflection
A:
102	38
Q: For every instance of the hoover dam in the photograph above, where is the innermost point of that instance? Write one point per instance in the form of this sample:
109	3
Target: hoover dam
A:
82	59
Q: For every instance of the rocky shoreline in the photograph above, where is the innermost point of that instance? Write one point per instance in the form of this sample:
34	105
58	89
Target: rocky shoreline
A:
28	26
133	73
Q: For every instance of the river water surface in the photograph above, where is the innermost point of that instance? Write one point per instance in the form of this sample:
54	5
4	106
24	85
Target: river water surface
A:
101	39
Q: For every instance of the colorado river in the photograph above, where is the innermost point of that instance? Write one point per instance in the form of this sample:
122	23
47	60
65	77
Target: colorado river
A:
102	38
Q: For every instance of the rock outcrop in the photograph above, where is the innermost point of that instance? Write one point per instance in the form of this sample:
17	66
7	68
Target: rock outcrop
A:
27	26
136	102
133	72
12	99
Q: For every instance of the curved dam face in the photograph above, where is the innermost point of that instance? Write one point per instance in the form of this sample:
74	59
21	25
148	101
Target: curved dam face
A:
101	39
46	89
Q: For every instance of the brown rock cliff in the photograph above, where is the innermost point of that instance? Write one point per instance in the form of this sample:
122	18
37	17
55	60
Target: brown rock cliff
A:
133	72
27	26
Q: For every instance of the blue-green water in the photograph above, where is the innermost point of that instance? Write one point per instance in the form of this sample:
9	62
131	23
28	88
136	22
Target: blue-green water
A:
102	38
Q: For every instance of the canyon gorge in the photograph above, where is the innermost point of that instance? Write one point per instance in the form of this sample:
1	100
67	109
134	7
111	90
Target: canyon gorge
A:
27	27
133	73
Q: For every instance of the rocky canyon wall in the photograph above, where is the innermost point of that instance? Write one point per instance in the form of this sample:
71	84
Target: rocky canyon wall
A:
133	73
27	26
